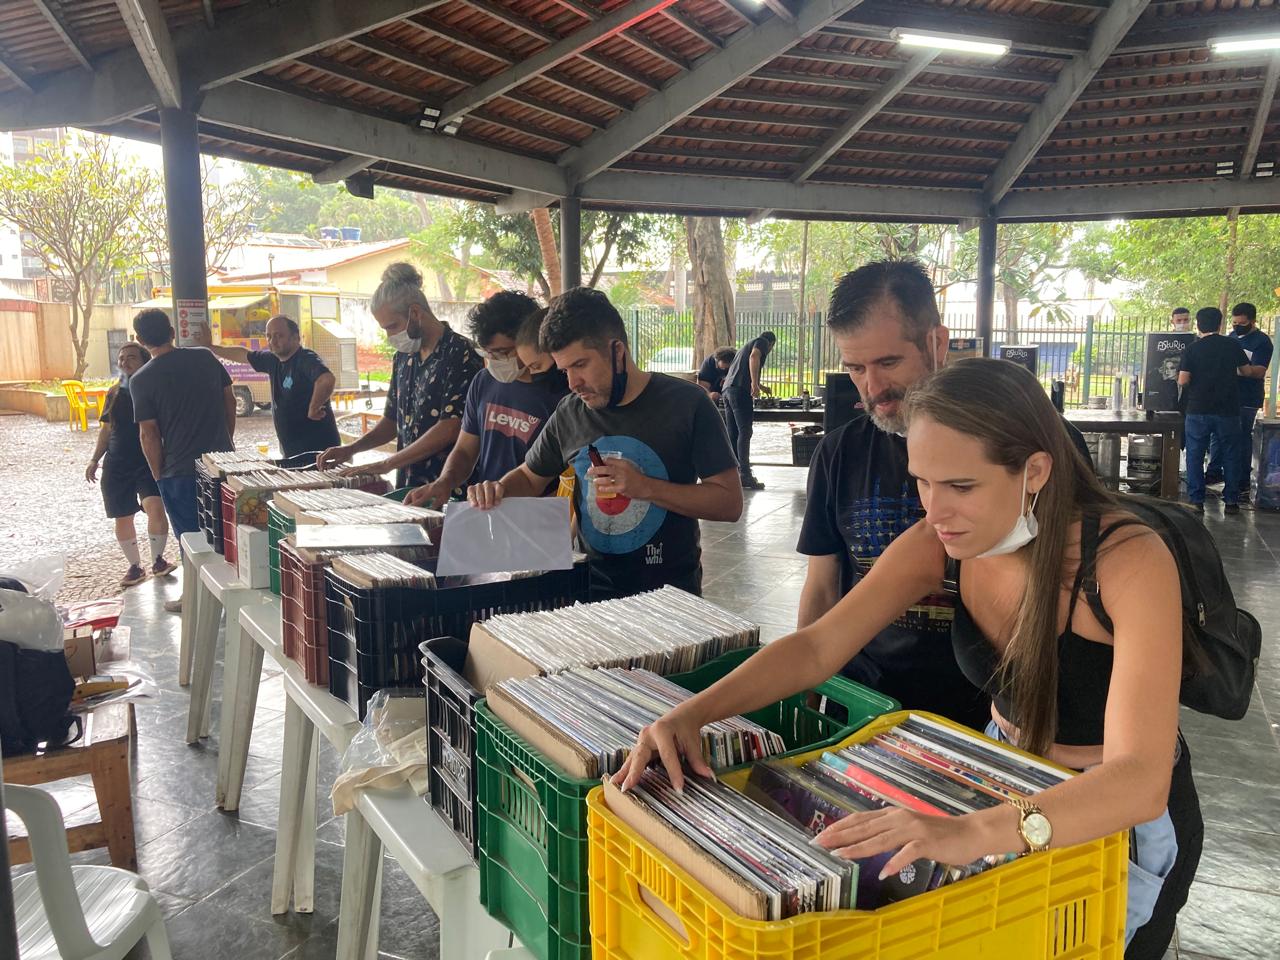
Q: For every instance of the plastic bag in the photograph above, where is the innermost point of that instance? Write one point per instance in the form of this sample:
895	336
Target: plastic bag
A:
42	576
142	685
521	533
390	749
30	622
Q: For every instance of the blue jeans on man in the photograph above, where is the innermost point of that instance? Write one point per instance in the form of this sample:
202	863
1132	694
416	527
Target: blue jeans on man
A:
1214	472
1202	430
179	497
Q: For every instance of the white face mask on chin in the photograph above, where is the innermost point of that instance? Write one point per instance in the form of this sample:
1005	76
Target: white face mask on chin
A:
1024	529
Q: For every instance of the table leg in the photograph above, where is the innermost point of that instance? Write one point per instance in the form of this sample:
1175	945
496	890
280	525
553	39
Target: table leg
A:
204	641
241	675
109	768
1172	460
358	911
297	751
190	600
304	861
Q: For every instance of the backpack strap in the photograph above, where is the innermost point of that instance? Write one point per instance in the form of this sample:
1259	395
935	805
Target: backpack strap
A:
1086	581
951	577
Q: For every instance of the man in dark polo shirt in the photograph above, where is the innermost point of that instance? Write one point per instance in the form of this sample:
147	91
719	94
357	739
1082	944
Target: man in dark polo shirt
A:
1210	398
301	385
1257	347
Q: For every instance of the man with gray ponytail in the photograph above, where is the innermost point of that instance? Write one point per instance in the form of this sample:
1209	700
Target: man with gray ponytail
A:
430	377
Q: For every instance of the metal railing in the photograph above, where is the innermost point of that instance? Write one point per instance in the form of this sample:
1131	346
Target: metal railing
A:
1086	354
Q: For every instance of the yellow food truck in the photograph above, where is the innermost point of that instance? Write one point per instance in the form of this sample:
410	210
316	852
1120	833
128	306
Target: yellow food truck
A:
238	315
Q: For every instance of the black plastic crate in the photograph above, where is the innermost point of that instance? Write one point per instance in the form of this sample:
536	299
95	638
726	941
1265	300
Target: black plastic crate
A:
376	631
803	446
209	505
451	736
344	685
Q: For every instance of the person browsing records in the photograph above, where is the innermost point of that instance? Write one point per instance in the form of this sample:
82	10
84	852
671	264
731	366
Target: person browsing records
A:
741	387
649	453
301	385
1009	502
430	375
507	405
885	322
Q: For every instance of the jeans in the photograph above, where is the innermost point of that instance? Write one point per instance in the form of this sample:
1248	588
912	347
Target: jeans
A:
1163	856
739	417
179	496
1214	470
1201	430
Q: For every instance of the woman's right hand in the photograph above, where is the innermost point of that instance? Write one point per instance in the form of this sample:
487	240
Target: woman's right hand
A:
91	471
678	734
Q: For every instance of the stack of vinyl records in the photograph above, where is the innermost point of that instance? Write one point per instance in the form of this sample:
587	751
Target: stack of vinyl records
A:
387	511
293	502
321	544
666	631
588	720
377	570
773	869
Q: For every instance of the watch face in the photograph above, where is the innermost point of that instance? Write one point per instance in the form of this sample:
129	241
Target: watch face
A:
1036	829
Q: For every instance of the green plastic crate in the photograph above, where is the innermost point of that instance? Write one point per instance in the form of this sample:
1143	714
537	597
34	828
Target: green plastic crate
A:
279	526
533	818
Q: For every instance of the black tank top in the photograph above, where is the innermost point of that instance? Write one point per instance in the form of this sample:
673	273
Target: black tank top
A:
1084	673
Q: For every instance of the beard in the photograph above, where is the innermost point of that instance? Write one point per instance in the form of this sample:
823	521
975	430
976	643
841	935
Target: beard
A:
890	423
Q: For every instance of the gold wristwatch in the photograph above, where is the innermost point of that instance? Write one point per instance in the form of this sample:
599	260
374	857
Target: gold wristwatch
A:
1034	826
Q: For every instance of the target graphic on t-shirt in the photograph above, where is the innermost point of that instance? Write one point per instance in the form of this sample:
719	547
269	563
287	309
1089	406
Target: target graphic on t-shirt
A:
619	524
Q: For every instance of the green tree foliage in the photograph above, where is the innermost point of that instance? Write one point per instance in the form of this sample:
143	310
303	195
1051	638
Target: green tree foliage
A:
1030	261
1184	262
294	203
80	206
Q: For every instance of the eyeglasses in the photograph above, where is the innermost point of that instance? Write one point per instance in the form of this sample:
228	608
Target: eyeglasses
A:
505	353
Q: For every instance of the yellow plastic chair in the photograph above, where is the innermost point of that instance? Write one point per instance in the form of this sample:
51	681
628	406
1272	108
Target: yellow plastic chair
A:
78	404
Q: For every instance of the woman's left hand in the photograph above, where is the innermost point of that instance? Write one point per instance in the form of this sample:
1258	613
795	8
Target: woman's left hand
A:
950	840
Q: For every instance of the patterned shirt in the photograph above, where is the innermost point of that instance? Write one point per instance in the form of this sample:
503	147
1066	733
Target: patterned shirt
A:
424	392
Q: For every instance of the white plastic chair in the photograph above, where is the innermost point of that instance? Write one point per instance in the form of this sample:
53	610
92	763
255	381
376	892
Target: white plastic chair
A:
76	913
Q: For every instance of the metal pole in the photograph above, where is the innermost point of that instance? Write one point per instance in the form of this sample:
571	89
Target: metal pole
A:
1088	359
1275	367
180	147
571	242
986	281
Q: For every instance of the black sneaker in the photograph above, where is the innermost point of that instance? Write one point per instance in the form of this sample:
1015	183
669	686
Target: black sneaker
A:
751	483
1231	508
133	576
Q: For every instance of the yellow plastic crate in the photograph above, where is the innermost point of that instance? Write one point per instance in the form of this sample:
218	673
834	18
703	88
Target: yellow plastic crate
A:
1064	904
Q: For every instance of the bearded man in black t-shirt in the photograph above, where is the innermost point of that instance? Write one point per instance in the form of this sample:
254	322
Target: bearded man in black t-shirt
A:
885	322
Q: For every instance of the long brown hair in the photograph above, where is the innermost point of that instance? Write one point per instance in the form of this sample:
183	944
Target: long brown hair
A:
1005	407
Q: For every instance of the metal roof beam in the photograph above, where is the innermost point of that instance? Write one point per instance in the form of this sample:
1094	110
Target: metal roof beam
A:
63	32
150	34
1166	69
246	107
607	26
9	70
245	42
1108	31
862	115
780	10
1117	149
733	194
1150	129
1158	110
691	26
745	51
348	167
1265	100
1194	30
1169	90
1104	204
978	72
1024	32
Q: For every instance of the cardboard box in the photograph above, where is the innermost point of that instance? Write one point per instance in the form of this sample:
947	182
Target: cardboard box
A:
87	648
251	557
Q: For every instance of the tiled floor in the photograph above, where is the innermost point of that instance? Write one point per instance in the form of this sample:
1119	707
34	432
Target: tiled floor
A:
212	870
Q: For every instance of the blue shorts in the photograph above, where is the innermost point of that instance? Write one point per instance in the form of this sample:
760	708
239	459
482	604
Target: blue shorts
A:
1152	851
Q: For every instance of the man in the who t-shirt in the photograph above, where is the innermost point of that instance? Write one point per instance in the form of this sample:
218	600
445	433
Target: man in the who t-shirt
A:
665	460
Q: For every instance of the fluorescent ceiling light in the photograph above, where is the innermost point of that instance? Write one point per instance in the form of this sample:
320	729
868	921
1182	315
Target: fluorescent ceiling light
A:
950	41
1244	44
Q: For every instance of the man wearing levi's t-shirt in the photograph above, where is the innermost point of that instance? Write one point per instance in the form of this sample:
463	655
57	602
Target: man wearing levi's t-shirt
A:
507	405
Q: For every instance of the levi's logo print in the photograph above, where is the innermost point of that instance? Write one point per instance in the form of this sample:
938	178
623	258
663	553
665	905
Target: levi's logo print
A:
619	524
869	525
510	422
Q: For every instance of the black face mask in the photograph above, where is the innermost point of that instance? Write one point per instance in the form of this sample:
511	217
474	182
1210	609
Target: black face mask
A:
619	387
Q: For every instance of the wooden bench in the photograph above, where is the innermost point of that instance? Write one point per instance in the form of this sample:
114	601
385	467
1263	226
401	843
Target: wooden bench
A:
103	754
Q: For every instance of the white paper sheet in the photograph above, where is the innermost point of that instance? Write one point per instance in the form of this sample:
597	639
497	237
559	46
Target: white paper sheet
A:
522	533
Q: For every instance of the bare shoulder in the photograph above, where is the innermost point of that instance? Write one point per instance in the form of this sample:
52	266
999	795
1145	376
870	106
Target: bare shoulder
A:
1132	552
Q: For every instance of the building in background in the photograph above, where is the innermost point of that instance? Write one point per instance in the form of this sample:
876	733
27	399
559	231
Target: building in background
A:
21	272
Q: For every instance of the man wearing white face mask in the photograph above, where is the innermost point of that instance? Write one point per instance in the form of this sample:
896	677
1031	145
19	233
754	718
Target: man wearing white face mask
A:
431	374
885	322
507	405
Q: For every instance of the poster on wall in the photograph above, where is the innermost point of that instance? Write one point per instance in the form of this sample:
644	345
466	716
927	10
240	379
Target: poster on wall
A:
187	314
1160	384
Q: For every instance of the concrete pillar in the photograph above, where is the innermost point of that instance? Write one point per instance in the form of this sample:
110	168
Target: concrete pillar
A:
986	282
571	242
181	156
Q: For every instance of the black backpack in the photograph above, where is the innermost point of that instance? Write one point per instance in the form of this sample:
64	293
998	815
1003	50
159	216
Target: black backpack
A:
35	693
1220	642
